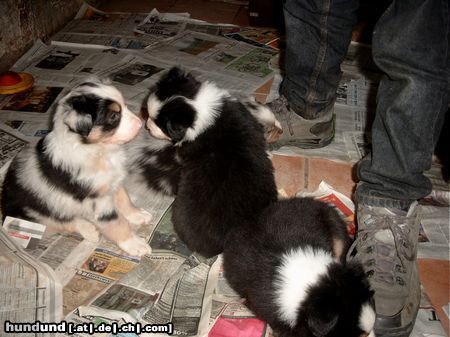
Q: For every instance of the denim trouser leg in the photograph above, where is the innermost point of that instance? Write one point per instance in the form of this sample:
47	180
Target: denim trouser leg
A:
410	45
318	33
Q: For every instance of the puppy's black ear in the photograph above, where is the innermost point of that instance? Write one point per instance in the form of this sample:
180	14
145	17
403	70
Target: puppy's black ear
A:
177	82
321	324
175	117
176	73
176	131
81	103
83	111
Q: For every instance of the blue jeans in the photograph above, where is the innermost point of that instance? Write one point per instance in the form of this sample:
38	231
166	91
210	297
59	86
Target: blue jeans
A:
318	33
411	47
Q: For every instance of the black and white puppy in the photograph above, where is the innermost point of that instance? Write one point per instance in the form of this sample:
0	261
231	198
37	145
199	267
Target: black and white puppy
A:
72	179
291	270
226	178
154	164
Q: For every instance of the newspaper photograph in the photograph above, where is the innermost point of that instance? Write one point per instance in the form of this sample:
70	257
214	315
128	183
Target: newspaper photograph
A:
134	73
38	99
260	37
162	26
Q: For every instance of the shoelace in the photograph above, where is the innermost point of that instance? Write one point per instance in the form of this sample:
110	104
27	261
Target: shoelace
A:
404	250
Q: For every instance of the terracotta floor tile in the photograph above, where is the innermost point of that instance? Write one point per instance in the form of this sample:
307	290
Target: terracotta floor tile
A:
289	173
338	175
263	91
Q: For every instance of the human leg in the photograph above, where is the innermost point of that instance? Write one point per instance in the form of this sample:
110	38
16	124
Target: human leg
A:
318	33
410	45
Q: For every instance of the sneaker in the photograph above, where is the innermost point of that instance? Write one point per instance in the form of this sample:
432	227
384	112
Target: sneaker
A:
299	131
386	245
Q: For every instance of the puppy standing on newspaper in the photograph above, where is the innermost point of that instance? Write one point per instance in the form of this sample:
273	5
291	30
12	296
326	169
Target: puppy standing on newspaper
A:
72	179
226	177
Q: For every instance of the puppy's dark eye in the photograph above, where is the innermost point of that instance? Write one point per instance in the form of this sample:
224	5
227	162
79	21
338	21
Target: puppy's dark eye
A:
114	116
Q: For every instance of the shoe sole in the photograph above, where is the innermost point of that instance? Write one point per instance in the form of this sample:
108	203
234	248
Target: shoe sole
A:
400	332
404	331
305	143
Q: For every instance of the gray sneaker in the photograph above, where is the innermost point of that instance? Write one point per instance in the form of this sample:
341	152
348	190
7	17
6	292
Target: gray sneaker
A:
386	245
299	131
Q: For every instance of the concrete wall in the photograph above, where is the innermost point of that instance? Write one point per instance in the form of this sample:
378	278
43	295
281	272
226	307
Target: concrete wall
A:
24	21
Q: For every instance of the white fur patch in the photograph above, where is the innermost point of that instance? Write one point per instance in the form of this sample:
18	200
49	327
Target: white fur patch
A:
207	104
153	106
367	318
300	269
135	246
264	115
155	131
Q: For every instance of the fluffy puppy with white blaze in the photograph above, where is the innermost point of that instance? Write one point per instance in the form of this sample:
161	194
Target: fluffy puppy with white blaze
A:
292	272
225	177
72	178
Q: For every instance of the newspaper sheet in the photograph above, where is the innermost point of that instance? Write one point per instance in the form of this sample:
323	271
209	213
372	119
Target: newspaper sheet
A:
171	285
32	127
101	29
29	289
236	66
229	316
70	61
12	142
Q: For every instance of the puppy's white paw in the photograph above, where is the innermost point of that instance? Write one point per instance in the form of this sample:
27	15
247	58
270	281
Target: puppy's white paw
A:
139	218
135	246
88	231
92	236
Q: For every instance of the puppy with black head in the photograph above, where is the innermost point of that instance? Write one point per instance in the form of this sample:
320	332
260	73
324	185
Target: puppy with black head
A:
226	178
292	272
72	179
154	165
